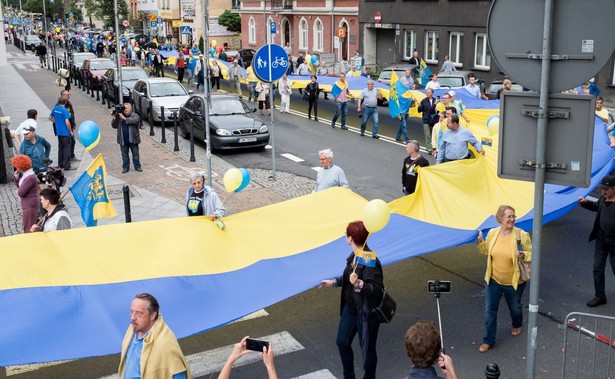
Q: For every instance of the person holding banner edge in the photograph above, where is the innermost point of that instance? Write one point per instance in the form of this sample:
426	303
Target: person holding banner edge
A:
362	287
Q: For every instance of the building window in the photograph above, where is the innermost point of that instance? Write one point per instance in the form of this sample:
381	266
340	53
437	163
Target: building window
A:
318	36
252	31
432	42
454	49
303	35
482	57
409	43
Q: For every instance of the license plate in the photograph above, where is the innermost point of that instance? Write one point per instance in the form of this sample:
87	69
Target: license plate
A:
246	139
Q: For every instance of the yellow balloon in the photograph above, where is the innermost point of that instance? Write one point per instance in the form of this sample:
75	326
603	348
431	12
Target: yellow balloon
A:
232	179
213	43
376	215
493	125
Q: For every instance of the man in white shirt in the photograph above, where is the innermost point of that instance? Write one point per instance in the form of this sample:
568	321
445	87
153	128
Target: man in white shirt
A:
448	65
472	87
330	175
433	84
30	122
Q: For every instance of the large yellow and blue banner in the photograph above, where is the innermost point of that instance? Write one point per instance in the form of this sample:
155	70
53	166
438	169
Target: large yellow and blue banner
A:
72	300
90	193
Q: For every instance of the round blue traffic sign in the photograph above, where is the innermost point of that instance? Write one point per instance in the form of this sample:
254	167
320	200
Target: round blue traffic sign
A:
270	63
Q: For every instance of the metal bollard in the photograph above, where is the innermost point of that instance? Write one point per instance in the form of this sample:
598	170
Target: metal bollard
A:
86	83
127	212
192	157
151	119
175	136
492	371
164	137
53	64
103	96
98	89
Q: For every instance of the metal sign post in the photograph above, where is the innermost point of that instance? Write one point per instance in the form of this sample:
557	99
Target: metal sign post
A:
206	90
270	63
118	59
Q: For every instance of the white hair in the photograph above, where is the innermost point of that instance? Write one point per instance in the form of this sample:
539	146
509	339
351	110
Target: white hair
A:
326	152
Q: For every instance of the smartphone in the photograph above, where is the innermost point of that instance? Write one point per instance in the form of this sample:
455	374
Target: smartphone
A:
591	198
437	286
256	345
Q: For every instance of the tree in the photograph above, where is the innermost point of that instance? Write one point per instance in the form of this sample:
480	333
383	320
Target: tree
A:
232	21
104	10
201	44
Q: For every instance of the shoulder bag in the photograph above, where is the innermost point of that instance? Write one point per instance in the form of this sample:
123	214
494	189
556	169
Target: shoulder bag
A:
525	268
385	311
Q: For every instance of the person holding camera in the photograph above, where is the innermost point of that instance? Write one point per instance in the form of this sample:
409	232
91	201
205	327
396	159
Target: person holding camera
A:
239	350
424	348
502	277
362	289
202	200
127	124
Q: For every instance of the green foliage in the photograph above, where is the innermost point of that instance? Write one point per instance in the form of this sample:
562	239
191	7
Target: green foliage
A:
201	44
232	21
77	14
53	8
104	10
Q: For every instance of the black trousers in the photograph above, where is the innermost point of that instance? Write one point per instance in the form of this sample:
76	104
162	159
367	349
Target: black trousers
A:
64	146
180	74
313	103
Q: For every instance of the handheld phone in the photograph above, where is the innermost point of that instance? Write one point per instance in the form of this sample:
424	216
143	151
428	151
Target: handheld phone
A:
256	345
437	286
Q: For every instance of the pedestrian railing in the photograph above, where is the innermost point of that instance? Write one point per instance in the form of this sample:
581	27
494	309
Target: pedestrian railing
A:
588	346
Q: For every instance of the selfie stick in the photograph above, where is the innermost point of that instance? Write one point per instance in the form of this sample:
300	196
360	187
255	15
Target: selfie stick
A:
437	294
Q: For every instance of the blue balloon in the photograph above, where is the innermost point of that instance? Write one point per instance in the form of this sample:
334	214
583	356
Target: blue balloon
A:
245	175
314	59
212	51
89	134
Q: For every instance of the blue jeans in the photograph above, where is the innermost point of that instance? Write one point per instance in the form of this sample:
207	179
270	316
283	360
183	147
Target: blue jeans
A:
341	108
402	129
368	112
493	293
605	246
134	149
349	326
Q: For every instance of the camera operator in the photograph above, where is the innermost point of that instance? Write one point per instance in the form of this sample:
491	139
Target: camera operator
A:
423	346
127	124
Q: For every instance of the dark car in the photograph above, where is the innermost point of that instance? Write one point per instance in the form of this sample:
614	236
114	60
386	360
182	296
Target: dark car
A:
92	71
246	54
130	75
232	123
31	42
492	91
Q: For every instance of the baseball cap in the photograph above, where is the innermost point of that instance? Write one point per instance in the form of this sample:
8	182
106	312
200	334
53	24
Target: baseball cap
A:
451	93
200	55
608	181
28	129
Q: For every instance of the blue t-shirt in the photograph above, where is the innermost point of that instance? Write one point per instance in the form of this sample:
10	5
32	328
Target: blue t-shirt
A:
133	360
60	114
192	63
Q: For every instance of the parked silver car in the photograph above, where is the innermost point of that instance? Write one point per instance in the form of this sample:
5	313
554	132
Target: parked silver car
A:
163	92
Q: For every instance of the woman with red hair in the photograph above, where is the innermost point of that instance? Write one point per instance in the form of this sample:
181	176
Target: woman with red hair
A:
27	189
362	289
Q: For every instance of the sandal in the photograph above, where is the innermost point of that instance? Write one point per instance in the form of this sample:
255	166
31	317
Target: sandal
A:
484	348
515	331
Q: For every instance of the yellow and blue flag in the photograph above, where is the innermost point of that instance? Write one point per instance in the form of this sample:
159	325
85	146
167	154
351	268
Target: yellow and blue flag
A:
393	96
90	193
366	258
424	73
337	88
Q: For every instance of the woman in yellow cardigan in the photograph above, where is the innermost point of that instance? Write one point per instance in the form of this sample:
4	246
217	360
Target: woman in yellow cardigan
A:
502	275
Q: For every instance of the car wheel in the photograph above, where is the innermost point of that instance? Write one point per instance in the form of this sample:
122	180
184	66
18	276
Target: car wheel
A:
183	132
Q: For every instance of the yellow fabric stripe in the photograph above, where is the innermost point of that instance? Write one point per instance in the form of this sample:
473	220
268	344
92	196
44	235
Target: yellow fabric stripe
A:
176	247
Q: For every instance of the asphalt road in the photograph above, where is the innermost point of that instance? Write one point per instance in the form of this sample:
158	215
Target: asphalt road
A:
310	319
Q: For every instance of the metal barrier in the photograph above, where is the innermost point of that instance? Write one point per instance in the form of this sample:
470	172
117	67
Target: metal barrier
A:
588	351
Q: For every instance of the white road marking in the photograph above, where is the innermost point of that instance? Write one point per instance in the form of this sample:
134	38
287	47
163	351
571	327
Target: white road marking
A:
208	362
321	374
292	157
20	66
260	313
16	370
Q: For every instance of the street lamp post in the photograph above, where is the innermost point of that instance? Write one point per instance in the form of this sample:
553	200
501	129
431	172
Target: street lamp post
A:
46	34
118	54
207	88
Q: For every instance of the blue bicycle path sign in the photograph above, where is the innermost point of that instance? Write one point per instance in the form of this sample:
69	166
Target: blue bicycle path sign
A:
270	62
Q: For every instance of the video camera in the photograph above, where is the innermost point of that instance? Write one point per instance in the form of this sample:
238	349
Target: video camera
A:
119	108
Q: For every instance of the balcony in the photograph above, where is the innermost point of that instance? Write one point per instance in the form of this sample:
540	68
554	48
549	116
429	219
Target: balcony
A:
281	4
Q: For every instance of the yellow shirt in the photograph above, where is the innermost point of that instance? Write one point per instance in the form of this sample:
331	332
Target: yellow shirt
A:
251	75
501	261
603	114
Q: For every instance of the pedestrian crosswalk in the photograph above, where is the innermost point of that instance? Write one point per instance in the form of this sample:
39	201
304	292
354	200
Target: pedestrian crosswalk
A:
27	66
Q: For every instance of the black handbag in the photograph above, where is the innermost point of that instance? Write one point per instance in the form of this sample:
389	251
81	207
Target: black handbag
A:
385	311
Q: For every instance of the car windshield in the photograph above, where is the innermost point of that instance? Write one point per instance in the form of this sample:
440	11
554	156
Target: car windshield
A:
495	87
78	59
226	106
101	65
450	81
167	89
133	74
386	74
